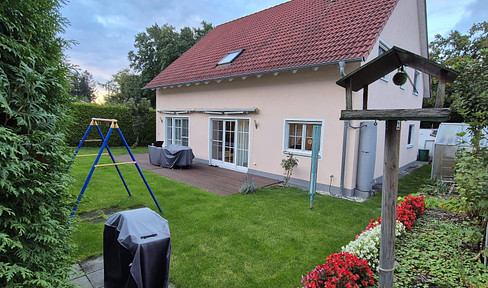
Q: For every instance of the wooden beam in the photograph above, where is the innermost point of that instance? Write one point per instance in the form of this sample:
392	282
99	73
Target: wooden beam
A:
348	95
104	120
441	90
432	114
388	205
88	155
115	164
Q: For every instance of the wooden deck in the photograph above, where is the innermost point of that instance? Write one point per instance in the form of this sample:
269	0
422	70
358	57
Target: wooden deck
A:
213	179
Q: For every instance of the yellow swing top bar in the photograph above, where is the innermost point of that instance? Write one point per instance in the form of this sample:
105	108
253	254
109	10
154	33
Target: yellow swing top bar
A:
113	121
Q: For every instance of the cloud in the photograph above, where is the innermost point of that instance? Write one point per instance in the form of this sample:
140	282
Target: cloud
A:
105	30
445	16
475	12
442	15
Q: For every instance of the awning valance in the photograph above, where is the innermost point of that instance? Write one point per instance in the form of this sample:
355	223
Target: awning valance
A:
217	111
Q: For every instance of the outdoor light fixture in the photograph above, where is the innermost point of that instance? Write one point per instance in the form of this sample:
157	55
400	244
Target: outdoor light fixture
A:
400	77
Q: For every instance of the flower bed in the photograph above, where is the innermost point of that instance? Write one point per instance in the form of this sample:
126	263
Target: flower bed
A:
352	267
341	270
367	244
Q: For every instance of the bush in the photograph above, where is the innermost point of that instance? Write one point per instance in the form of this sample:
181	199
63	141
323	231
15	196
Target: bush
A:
289	163
34	199
81	116
341	270
471	176
248	185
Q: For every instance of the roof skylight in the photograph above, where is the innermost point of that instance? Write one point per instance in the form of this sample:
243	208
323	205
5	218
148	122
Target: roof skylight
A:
230	57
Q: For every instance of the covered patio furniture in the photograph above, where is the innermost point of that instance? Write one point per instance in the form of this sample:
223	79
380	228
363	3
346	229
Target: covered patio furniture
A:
176	155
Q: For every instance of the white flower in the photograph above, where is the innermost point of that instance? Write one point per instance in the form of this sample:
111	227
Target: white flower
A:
367	245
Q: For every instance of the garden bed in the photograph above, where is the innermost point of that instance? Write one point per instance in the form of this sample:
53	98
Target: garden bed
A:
440	251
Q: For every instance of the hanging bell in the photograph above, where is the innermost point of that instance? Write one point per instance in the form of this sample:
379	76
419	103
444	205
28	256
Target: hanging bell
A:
400	77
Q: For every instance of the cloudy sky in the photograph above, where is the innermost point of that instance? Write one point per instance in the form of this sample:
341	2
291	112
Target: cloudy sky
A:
105	29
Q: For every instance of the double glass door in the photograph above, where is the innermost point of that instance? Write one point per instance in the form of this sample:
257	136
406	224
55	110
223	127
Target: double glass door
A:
230	143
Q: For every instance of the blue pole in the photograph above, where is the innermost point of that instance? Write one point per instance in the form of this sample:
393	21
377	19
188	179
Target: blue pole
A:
91	172
314	164
79	146
139	169
113	161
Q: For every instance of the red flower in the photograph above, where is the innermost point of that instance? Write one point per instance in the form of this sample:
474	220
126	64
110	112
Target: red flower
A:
341	270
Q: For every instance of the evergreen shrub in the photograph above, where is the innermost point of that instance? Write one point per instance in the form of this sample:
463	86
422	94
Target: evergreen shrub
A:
82	113
34	199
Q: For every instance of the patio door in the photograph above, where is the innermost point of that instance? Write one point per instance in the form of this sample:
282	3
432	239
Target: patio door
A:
230	143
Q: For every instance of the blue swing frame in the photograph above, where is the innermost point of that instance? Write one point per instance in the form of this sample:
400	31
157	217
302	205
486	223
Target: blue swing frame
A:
113	125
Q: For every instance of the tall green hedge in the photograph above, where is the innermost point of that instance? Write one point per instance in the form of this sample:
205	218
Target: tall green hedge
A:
34	200
81	115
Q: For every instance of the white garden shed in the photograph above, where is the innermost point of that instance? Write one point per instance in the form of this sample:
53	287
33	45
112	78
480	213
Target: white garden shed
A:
450	137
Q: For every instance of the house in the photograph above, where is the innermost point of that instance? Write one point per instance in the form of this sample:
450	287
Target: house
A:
249	93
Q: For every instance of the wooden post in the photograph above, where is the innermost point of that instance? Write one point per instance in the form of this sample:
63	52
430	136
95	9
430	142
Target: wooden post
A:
365	97
348	94
441	90
389	203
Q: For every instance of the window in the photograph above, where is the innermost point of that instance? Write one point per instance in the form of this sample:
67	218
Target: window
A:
299	136
416	81
230	57
382	48
177	131
410	139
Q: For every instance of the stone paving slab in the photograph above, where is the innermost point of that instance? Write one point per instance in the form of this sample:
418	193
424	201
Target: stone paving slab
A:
92	264
89	273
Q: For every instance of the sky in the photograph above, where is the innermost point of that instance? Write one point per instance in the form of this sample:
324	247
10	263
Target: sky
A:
105	29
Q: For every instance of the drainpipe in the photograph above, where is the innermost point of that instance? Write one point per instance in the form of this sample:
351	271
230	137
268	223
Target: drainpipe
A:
344	149
342	66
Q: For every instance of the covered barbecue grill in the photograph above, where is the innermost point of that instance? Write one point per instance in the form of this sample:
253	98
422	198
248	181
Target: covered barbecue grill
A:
136	249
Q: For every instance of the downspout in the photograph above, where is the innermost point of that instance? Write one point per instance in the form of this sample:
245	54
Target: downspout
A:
342	66
424	43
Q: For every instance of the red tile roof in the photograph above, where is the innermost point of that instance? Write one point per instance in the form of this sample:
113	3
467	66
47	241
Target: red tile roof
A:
298	33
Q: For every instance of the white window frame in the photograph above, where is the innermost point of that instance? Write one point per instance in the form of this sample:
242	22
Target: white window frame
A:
221	163
416	82
173	140
230	57
410	135
302	151
384	46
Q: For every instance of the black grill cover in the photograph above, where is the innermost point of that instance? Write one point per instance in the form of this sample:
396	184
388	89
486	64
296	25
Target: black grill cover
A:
136	249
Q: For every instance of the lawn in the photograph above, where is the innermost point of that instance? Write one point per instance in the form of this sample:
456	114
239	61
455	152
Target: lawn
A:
267	239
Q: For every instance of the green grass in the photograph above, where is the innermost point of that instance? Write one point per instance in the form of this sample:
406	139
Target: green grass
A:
267	239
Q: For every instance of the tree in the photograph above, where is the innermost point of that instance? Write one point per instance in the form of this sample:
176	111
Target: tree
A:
83	86
123	86
34	200
140	115
467	54
158	47
468	96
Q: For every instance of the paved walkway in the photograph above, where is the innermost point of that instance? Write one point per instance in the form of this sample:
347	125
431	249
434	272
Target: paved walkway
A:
89	273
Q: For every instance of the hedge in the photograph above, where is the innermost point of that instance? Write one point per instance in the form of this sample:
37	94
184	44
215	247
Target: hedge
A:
81	115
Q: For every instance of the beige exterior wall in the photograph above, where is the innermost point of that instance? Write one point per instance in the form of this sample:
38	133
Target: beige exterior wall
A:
402	30
305	95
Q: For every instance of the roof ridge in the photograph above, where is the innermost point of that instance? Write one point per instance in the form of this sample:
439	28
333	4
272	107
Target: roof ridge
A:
296	33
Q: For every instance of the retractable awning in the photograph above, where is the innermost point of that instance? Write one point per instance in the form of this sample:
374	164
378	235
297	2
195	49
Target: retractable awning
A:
217	111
